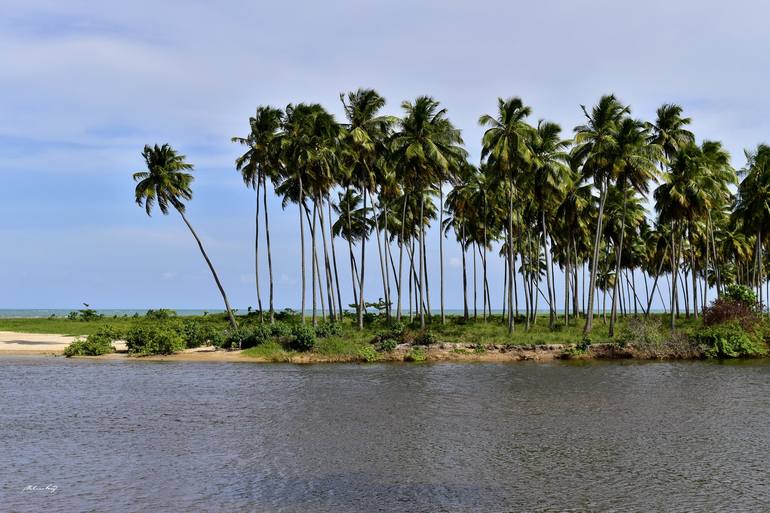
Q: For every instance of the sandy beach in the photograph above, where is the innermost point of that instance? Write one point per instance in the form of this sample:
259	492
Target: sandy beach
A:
38	343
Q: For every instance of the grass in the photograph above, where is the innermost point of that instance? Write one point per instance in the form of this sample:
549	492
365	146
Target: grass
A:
351	341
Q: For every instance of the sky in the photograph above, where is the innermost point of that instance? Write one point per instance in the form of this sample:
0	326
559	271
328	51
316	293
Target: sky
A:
85	85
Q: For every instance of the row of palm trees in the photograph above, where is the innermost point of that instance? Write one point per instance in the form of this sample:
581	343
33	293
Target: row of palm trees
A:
537	200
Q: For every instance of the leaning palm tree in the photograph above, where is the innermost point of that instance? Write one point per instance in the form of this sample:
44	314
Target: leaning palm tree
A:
167	183
261	160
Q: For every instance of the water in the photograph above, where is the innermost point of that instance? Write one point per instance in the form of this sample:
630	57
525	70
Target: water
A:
214	437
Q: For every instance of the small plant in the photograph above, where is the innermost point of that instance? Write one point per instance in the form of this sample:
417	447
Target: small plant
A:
161	314
479	348
386	345
94	345
644	335
328	329
416	354
396	329
425	338
86	314
303	338
368	354
584	344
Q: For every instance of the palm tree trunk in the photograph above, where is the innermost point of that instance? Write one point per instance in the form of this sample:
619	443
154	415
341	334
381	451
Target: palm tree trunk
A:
465	276
383	265
229	310
401	261
313	263
592	281
441	250
269	249
256	184
548	276
362	274
334	258
424	257
327	261
301	205
422	265
355	281
511	321
475	300
619	251
674	266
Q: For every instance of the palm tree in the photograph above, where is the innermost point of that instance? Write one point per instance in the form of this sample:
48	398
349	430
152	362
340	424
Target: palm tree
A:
594	143
167	183
634	161
549	170
365	141
427	151
309	151
505	145
261	159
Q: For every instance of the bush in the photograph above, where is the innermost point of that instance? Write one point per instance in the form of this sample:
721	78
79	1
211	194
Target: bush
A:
303	338
730	340
280	330
161	314
328	329
728	309
416	354
85	315
245	337
148	339
425	338
643	335
396	329
387	345
96	344
368	354
197	333
741	294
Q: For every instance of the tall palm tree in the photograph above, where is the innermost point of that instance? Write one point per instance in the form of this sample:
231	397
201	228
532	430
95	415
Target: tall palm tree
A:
261	159
427	151
167	184
635	161
309	151
549	168
365	142
594	143
505	146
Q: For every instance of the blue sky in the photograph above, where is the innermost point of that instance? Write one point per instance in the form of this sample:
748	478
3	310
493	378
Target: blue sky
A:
84	85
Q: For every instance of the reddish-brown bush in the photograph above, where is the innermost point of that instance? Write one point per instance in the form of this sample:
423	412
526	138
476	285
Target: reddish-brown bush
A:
723	310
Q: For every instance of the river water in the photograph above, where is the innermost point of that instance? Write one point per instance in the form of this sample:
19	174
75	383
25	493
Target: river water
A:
222	437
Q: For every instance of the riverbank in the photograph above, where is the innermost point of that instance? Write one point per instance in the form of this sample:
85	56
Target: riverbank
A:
36	344
209	338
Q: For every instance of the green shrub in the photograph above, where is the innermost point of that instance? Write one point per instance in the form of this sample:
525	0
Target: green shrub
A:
96	344
730	340
85	315
161	314
396	329
479	348
197	333
280	329
643	335
425	338
368	354
416	354
740	293
154	339
303	338
245	337
387	345
328	329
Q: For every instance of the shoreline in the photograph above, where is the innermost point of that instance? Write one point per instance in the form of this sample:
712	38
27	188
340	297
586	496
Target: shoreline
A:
35	344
